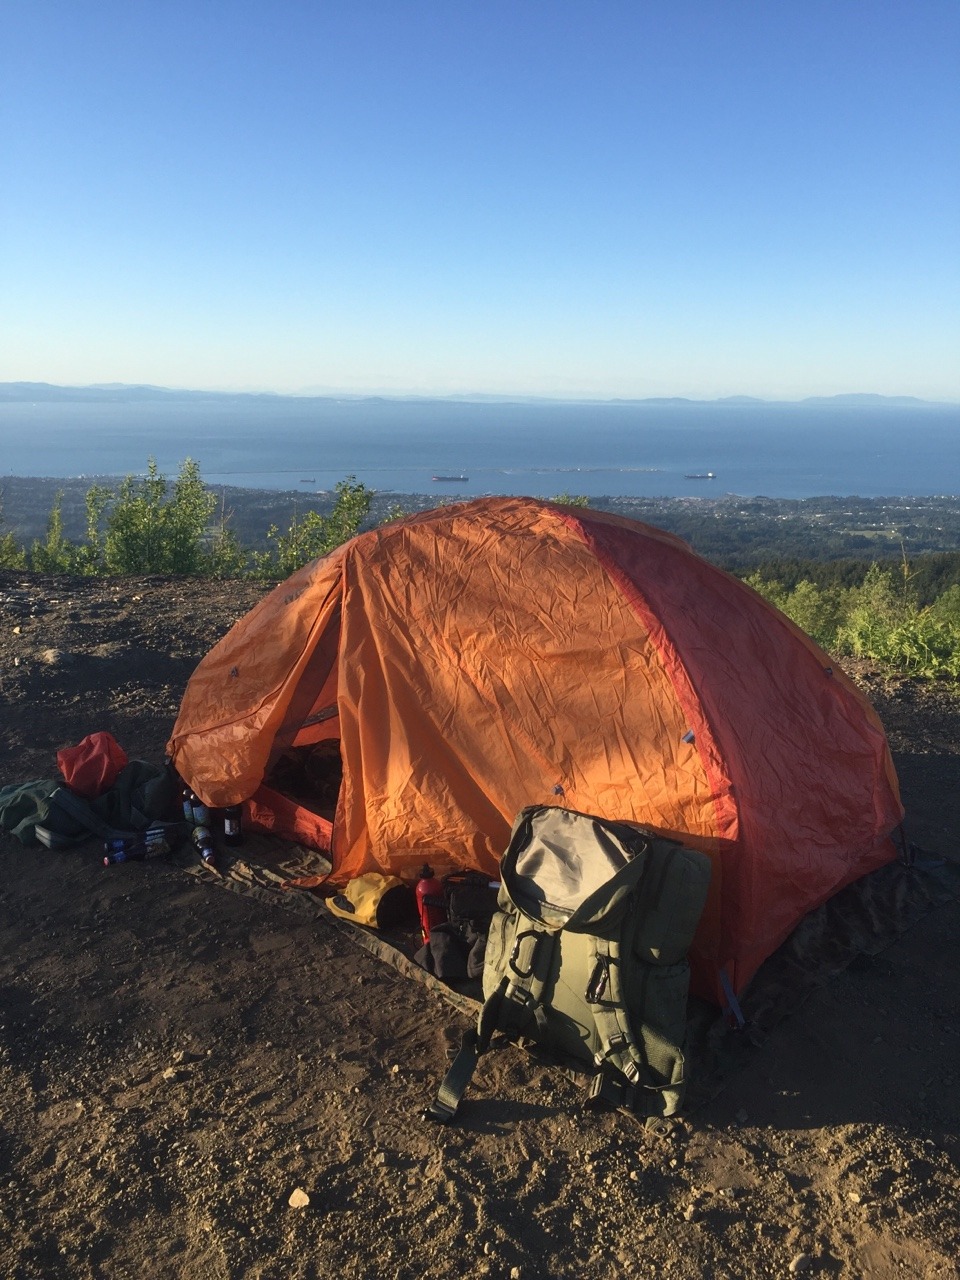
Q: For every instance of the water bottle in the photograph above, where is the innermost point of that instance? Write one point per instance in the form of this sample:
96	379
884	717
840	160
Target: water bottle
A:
431	904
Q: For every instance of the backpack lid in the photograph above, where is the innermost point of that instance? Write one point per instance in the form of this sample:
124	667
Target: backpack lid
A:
569	870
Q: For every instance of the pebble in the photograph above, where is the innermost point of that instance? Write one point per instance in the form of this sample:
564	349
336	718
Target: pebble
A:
298	1199
800	1263
690	1212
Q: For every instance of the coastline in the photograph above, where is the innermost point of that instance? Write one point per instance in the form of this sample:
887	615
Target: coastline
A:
732	530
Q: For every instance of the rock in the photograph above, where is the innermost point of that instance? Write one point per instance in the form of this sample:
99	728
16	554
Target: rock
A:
800	1263
690	1212
298	1199
57	658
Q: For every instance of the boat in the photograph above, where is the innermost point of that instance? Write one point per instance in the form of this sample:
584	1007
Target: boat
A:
450	479
312	480
701	475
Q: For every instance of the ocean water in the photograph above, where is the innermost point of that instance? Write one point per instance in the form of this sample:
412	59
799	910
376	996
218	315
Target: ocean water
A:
541	449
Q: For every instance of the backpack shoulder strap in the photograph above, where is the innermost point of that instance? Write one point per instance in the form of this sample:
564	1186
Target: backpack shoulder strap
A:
605	998
515	1002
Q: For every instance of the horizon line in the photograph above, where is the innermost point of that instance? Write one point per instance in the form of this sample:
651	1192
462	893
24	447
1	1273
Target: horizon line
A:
315	393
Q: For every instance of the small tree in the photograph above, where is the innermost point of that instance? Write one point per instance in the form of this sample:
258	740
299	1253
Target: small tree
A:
55	554
316	534
148	533
12	554
226	558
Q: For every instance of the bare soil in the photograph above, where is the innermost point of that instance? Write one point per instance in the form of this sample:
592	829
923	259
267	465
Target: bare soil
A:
176	1061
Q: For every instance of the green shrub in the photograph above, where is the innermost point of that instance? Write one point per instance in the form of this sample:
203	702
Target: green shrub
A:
55	554
12	554
148	532
315	534
880	619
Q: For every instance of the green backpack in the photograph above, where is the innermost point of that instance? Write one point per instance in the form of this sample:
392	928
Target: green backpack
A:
587	956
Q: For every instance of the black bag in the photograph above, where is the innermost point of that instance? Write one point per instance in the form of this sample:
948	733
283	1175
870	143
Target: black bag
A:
457	947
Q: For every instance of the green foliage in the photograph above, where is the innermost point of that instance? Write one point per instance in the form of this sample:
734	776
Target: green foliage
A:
314	535
395	511
571	499
12	554
90	556
149	532
904	615
880	619
55	554
226	557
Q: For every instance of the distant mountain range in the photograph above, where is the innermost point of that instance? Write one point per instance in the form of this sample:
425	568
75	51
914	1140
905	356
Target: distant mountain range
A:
34	392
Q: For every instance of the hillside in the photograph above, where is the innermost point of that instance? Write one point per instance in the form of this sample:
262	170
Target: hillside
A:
176	1060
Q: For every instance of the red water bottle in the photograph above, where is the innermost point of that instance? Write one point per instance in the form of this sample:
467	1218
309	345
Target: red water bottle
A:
431	904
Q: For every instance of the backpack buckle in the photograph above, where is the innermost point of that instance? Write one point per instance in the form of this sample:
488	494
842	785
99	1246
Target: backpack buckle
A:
532	959
598	981
439	1112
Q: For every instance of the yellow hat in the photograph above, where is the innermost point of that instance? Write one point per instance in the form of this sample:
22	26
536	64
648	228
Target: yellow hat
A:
375	900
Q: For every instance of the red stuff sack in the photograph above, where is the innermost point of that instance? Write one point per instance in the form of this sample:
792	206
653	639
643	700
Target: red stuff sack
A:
91	767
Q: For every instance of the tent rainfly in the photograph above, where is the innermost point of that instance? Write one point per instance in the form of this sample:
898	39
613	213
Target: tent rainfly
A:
503	652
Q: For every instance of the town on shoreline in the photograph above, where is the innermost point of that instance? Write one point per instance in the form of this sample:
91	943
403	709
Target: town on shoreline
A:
739	533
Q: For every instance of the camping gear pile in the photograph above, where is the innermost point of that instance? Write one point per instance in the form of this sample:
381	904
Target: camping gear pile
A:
100	792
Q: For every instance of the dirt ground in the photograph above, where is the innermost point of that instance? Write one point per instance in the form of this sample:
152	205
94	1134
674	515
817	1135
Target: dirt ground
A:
176	1061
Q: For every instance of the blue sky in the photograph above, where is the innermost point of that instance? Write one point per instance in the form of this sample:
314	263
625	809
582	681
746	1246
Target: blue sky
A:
554	198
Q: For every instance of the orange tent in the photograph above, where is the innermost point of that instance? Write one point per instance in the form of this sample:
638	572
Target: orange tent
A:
504	652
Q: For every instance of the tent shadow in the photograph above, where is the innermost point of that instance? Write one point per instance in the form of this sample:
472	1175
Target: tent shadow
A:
867	1039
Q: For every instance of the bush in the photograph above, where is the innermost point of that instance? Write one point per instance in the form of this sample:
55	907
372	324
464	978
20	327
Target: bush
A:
315	535
55	554
147	532
12	554
880	620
